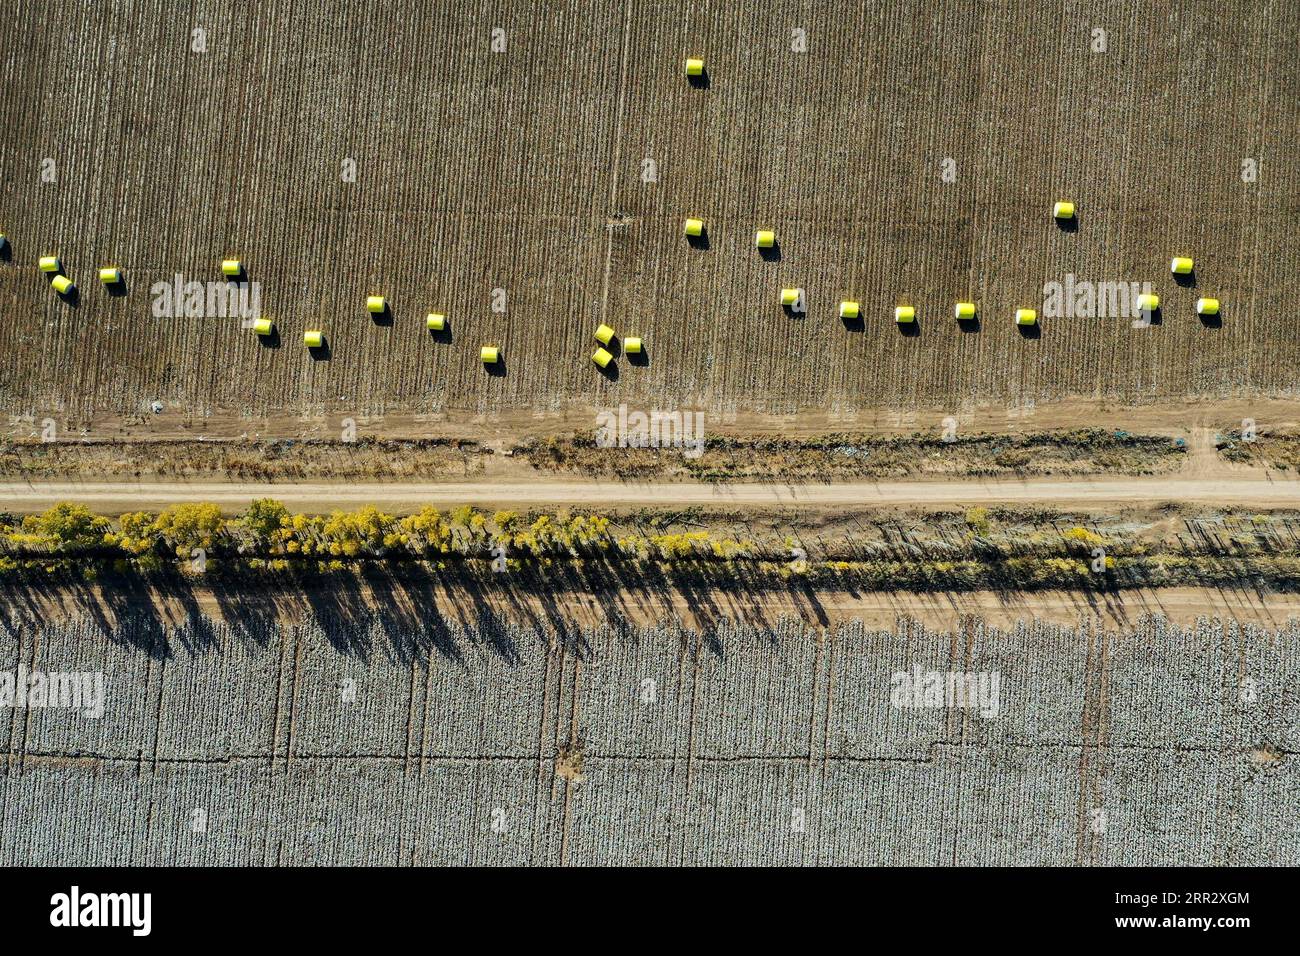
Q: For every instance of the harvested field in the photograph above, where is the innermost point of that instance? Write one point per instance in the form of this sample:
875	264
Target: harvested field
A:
416	742
522	171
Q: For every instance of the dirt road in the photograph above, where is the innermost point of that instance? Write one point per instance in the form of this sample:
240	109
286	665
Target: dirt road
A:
115	497
705	610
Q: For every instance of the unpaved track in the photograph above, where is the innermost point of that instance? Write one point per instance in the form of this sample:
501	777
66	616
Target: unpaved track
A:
113	497
703	610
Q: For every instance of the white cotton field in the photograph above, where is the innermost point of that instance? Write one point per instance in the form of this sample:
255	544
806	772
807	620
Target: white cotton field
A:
415	742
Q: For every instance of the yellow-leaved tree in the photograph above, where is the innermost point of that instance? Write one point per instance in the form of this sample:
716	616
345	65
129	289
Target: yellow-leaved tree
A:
190	526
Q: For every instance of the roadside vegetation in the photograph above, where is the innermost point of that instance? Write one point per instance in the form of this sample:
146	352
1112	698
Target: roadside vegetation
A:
243	460
1269	450
841	456
979	549
1085	451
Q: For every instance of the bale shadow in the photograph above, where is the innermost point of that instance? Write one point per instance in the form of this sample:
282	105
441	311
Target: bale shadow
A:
442	336
384	317
641	359
701	82
770	253
497	369
271	340
1034	331
1068	225
1186	280
118	289
614	346
610	371
6	251
701	241
1214	321
910	330
322	352
854	323
970	325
